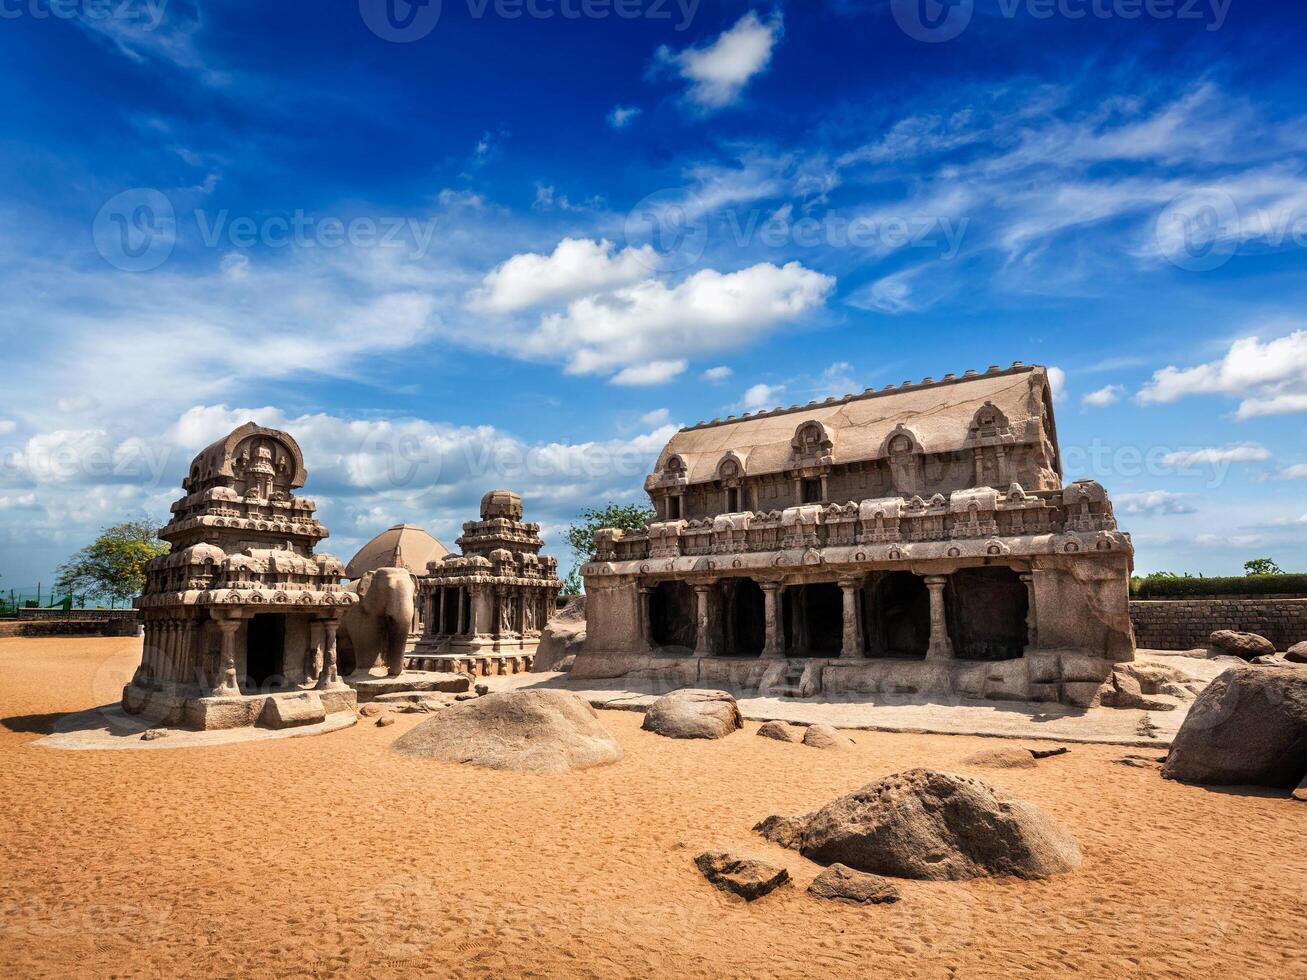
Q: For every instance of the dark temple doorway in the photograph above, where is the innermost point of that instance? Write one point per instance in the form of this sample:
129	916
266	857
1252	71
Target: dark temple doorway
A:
900	617
746	619
673	615
987	613
265	647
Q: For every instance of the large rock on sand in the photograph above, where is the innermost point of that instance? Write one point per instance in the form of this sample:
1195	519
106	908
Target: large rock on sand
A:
526	731
826	737
693	714
855	887
1248	728
781	731
562	638
1297	654
1245	646
934	826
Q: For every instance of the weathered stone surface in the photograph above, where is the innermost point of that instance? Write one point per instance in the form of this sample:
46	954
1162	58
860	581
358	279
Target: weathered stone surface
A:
845	884
826	737
782	731
293	710
1126	689
374	709
1048	753
694	714
538	731
1274	660
1240	644
562	638
410	682
1001	758
385	721
786	831
1248	728
1297	653
938	826
1301	792
749	878
154	733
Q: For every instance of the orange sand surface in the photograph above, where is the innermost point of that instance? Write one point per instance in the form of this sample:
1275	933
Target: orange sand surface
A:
332	856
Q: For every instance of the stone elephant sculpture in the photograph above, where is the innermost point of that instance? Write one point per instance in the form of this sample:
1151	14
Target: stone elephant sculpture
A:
374	630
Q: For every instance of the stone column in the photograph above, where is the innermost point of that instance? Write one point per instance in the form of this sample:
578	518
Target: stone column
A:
941	647
774	646
852	646
646	616
705	642
329	679
463	596
225	684
313	657
1032	619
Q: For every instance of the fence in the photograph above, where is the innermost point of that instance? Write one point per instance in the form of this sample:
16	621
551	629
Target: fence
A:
38	597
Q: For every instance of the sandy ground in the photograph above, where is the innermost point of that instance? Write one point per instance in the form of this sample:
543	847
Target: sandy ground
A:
331	856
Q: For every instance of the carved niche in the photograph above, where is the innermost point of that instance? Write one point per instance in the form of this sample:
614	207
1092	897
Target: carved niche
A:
812	447
905	456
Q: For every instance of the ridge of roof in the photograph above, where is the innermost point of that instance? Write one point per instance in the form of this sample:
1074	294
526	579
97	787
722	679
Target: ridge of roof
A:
994	371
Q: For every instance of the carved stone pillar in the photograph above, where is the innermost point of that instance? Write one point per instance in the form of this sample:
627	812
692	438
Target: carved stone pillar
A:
705	641
225	684
329	679
1032	618
852	645
313	657
774	645
463	596
646	616
941	647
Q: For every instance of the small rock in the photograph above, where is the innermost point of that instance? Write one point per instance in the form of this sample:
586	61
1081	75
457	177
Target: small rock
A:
782	731
482	690
385	721
693	713
1139	762
1270	660
749	878
1048	753
1003	758
1297	654
372	709
826	737
1301	792
844	884
1241	644
153	733
785	831
466	696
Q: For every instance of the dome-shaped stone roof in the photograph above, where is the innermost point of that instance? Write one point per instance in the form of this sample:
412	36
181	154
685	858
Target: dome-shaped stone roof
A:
402	546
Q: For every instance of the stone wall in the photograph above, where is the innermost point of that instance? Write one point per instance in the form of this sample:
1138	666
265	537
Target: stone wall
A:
81	615
117	626
1182	624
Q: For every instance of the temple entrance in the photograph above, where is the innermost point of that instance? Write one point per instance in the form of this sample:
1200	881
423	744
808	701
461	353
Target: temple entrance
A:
265	647
814	620
900	617
673	614
987	613
746	618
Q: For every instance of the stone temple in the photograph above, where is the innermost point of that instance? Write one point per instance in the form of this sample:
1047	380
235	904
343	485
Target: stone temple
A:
485	608
241	616
916	540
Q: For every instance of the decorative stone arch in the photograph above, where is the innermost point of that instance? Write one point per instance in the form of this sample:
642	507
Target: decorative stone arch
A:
730	475
813	444
229	455
905	456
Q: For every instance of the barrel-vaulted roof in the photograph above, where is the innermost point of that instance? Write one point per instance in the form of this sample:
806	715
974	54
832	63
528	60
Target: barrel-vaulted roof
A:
938	415
402	546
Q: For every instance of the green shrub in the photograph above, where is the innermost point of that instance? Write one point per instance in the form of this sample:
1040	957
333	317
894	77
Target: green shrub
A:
1168	587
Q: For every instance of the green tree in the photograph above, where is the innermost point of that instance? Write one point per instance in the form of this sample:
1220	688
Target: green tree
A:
581	534
1261	566
113	565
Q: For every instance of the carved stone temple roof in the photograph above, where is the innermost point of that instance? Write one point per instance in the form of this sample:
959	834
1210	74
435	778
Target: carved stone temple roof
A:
1012	406
402	546
498	548
240	536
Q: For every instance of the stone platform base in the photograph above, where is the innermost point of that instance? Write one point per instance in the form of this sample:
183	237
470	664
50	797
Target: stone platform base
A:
410	682
478	665
279	710
1049	676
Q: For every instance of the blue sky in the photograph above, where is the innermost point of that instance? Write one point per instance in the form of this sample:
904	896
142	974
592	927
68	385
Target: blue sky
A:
450	248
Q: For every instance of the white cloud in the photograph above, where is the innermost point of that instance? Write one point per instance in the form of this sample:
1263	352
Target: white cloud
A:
658	417
622	116
707	313
577	267
837	380
1269	377
718	72
1104	396
1057	382
1153	502
760	397
650	373
1298	471
720	373
1242	453
7	426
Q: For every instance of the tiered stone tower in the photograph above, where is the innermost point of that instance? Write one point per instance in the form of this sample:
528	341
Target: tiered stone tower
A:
485	608
241	611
